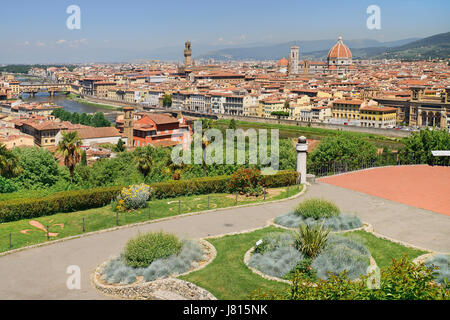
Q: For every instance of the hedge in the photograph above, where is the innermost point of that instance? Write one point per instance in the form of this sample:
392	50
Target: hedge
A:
69	201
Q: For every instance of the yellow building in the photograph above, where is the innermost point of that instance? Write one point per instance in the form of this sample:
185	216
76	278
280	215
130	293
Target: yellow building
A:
269	105
15	87
378	116
346	110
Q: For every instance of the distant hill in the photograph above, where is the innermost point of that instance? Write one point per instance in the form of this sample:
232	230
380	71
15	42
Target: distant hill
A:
316	49
434	47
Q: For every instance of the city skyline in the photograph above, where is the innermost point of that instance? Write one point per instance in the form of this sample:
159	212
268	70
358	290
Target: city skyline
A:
142	30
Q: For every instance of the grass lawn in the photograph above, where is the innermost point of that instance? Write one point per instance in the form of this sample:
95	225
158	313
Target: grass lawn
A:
383	251
70	224
99	105
228	278
291	131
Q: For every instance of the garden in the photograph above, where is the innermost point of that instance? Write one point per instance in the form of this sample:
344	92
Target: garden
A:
309	261
29	221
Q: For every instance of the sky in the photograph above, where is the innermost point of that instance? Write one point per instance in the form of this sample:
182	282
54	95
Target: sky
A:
36	32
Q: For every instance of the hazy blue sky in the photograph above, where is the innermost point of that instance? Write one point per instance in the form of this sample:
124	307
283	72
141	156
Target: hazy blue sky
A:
35	31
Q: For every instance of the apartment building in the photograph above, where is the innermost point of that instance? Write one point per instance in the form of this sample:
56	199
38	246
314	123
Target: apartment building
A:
378	116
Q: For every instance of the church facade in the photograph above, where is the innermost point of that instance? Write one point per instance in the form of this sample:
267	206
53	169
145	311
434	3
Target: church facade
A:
339	61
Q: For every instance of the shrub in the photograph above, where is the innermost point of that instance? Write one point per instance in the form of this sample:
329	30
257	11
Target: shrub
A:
341	254
133	197
276	263
305	269
74	200
316	209
7	185
117	271
144	249
339	223
311	239
67	201
401	280
275	240
246	181
404	280
441	263
281	179
171	189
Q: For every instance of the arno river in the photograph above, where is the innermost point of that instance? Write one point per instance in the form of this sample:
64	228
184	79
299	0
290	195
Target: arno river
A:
62	100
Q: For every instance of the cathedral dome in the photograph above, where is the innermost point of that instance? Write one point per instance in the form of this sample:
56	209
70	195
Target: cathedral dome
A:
340	50
283	62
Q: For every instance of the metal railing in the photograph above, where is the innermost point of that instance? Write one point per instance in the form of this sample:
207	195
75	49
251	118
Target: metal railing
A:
337	167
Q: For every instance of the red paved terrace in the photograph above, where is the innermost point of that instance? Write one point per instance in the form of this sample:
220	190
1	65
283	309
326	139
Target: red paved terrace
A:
421	186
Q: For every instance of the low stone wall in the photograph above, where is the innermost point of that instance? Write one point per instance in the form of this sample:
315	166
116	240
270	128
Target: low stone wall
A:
161	289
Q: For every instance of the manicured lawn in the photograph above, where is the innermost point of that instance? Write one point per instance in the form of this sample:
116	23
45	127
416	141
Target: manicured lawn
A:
383	251
291	131
227	277
70	224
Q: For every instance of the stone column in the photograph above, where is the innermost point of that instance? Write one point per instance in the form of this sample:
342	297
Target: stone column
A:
302	148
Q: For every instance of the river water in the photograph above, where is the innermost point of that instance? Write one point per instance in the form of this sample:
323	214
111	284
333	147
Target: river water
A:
68	104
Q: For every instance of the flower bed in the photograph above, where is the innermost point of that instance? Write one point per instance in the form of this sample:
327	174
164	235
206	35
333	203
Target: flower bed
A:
277	257
317	212
156	281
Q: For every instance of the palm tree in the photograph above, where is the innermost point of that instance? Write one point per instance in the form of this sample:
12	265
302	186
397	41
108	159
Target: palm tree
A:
9	163
206	124
144	160
69	147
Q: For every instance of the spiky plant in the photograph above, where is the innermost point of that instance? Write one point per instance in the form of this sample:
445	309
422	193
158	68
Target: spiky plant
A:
69	148
310	240
144	157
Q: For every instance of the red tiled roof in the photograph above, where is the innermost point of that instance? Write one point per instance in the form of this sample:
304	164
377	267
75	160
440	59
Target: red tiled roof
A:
339	50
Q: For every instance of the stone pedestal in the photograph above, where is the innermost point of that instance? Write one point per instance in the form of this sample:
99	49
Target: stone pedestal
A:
302	149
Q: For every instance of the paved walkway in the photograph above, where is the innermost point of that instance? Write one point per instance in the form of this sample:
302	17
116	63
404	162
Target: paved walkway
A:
40	273
423	186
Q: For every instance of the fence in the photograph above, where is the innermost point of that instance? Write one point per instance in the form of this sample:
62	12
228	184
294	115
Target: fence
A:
336	167
115	219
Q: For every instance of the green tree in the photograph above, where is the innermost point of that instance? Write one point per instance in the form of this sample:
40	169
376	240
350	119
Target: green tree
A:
167	100
120	147
144	157
75	118
343	151
40	170
84	119
232	124
69	148
9	163
280	114
83	158
206	125
287	104
418	147
99	120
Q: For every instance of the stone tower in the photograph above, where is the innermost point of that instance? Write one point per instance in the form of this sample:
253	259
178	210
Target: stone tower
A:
293	60
128	125
187	54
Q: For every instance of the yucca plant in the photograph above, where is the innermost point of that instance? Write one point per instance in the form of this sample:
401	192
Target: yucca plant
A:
310	240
